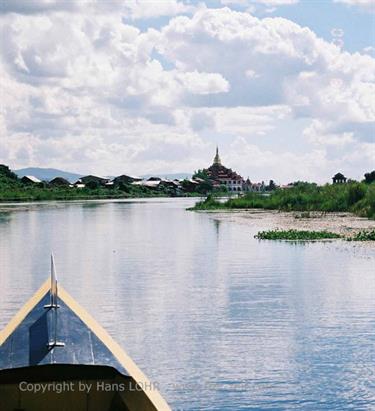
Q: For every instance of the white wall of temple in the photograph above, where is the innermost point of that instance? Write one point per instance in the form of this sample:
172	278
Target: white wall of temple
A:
232	185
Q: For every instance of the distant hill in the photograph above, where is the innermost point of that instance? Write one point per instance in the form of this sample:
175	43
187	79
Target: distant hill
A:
178	176
47	173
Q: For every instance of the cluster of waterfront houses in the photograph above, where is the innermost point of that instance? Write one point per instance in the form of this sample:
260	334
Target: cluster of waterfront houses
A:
218	174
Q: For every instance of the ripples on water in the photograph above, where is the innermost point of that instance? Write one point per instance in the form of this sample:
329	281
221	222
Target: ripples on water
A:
220	320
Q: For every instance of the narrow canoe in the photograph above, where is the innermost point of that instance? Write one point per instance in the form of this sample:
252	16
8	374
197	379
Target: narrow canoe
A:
55	356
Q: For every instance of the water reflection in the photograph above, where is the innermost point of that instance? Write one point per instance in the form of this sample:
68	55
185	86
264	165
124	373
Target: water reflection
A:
5	217
219	319
217	223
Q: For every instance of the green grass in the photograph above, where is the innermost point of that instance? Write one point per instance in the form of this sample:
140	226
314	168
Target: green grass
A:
12	189
358	198
363	236
304	235
296	235
210	203
19	192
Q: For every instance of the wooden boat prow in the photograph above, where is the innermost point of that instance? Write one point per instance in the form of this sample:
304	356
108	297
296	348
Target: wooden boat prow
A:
53	339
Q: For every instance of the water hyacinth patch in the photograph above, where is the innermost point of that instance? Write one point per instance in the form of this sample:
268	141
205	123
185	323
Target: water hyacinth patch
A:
363	236
296	235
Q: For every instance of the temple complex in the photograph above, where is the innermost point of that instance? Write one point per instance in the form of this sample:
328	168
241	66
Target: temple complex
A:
221	175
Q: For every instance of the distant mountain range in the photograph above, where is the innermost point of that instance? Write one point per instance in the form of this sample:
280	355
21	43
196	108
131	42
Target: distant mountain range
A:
48	174
173	176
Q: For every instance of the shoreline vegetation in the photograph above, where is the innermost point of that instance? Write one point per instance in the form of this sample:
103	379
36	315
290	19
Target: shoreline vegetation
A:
304	235
293	235
14	189
66	194
353	197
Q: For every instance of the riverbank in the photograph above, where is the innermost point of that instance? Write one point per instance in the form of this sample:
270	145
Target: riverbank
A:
14	189
35	194
343	224
353	197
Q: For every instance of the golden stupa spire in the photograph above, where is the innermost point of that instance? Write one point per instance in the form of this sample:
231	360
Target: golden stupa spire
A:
217	157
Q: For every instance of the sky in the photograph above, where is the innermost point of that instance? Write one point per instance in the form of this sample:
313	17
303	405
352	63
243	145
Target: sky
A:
285	88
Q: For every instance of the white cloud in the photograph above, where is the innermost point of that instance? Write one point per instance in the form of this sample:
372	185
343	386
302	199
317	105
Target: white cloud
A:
86	91
245	121
337	32
246	3
284	166
249	122
252	6
203	83
318	133
36	6
291	63
364	4
276	2
133	9
145	9
369	50
317	164
251	74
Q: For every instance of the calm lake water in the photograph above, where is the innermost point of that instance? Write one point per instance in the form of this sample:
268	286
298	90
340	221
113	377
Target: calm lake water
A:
220	320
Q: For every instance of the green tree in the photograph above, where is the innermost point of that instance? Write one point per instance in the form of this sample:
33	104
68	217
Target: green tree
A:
356	192
201	174
271	185
205	187
92	185
6	171
370	177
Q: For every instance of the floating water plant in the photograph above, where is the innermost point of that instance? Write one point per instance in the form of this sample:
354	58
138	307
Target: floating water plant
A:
363	236
296	235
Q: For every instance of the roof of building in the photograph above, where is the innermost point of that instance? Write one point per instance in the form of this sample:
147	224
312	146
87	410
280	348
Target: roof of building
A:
217	159
219	172
339	176
59	180
33	179
150	184
90	176
127	177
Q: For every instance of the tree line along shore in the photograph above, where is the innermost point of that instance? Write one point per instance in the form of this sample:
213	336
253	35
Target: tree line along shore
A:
29	188
352	196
